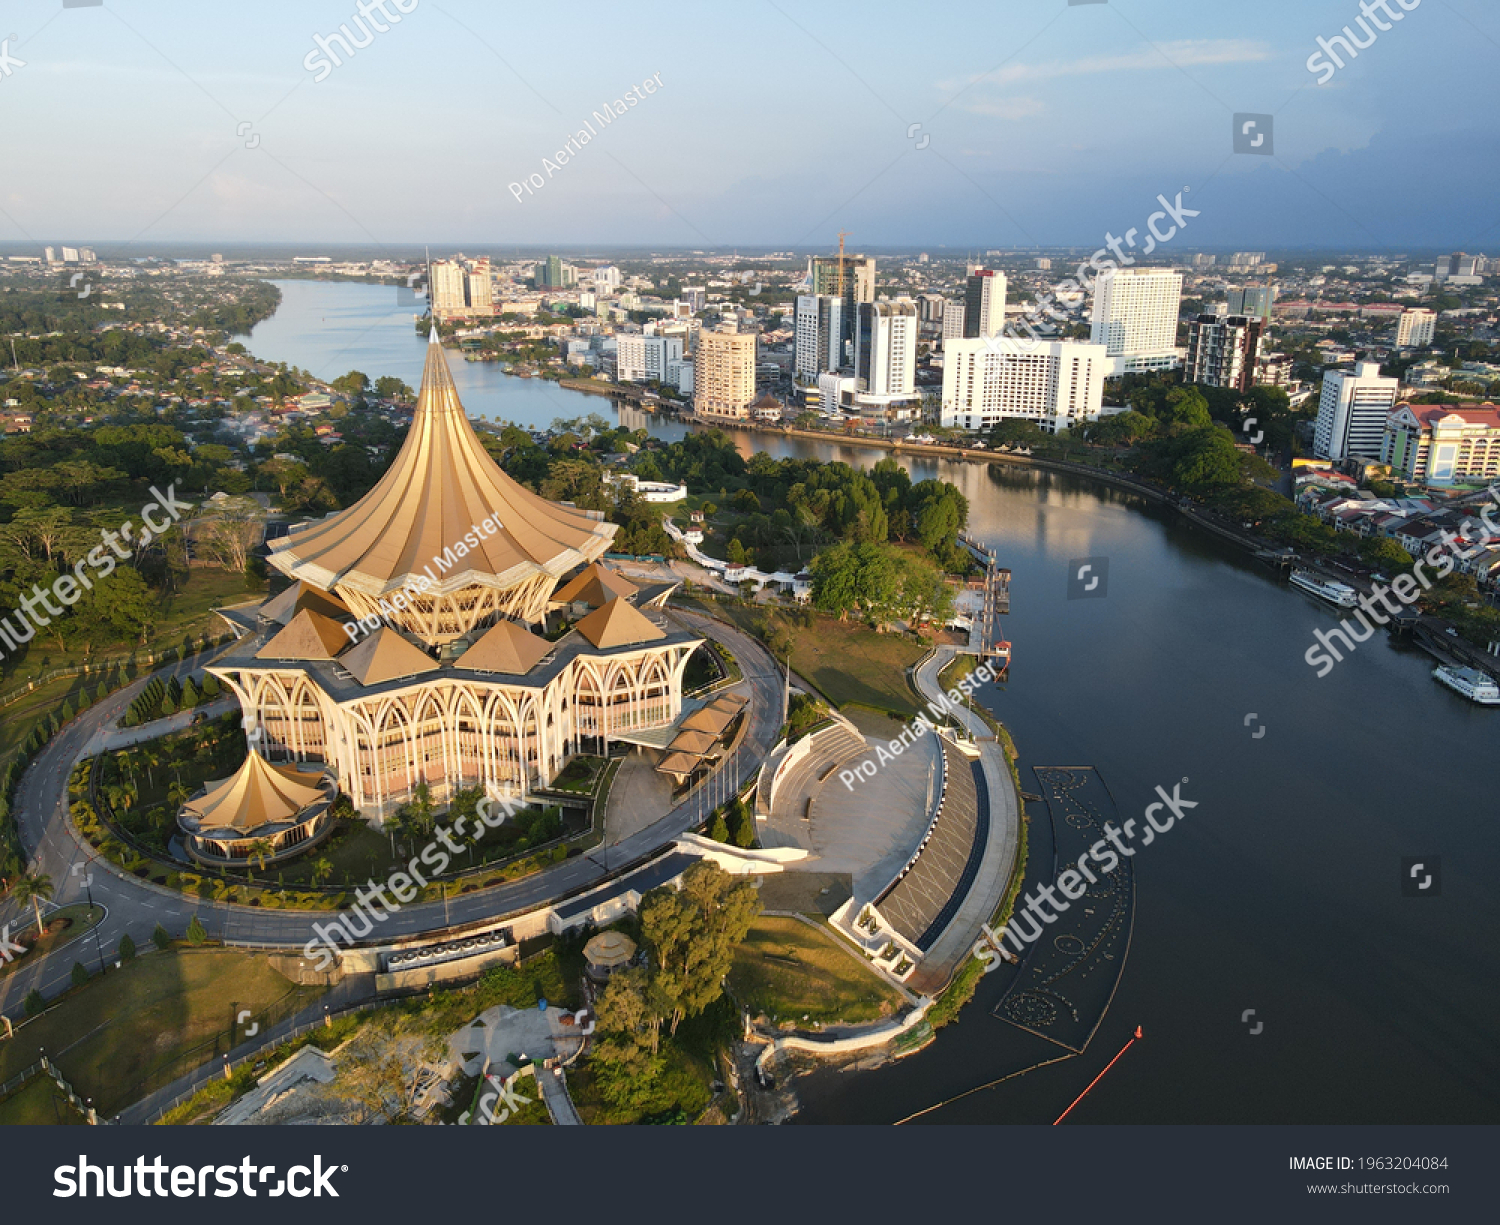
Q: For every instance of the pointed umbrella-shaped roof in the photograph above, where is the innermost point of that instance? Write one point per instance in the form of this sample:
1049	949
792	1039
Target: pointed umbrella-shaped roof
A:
308	635
282	608
617	624
594	586
505	647
384	656
431	504
256	794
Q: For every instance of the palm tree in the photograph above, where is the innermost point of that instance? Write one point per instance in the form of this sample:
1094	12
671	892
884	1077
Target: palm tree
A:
35	889
322	870
177	793
261	850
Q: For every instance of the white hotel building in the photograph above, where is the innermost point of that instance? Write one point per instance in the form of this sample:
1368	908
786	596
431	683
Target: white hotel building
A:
1135	318
1353	411
1056	385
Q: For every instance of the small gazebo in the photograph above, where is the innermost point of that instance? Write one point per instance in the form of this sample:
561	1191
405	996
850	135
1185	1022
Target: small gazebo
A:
285	806
606	953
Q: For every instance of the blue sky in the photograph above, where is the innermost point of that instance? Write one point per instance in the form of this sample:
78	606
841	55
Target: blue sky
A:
776	124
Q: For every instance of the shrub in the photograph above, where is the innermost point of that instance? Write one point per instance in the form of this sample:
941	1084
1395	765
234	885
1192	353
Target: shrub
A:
35	1005
127	948
160	938
196	936
80	975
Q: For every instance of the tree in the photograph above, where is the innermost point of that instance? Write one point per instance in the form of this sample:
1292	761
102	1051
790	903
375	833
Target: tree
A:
322	871
692	933
35	1004
260	851
383	1069
80	975
719	829
196	936
127	948
160	938
35	888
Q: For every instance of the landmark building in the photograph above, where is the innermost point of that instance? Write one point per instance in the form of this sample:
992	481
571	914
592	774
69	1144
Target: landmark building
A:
407	649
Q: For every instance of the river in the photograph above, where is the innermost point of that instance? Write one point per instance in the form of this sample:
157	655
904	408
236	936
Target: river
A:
1281	892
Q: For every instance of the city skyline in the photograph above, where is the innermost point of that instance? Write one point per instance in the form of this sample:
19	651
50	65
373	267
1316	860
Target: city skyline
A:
996	130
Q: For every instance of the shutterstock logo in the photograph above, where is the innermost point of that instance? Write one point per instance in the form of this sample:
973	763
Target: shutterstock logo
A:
156	1178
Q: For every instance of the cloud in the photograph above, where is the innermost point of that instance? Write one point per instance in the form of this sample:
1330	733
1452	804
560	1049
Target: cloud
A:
1183	53
1004	108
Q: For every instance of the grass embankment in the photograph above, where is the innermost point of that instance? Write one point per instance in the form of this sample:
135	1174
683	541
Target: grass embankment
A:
138	1028
787	971
847	661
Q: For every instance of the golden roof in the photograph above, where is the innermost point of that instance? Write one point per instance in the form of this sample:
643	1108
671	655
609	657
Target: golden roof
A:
594	586
505	647
442	486
609	949
294	599
617	624
679	763
308	635
689	740
256	794
384	656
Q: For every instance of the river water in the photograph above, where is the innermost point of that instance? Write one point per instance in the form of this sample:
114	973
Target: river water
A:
1281	892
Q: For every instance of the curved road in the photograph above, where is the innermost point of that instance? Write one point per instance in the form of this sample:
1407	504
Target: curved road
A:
54	846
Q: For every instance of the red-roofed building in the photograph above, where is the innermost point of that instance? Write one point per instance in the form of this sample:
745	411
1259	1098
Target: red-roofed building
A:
1443	444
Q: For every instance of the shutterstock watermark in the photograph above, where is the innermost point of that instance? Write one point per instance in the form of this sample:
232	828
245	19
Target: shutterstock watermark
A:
372	905
1073	882
323	59
1058	305
155	1178
1326	61
573	146
1323	655
68	589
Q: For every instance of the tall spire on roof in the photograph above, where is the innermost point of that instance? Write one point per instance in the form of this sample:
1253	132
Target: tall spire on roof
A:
425	520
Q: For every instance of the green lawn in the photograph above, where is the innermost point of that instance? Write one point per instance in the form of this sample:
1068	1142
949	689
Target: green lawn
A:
140	1027
846	660
39	1102
788	970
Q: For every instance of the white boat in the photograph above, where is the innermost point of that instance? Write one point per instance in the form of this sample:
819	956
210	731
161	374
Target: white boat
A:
1469	682
1325	589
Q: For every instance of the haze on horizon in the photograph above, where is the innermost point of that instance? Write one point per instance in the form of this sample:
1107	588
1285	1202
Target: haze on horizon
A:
774	125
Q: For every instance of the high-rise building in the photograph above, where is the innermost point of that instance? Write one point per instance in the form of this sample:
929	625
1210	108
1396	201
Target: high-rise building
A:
1135	318
885	348
1204	260
859	277
1247	259
696	297
953	321
640	359
1222	350
1055	384
479	288
1254	300
1415	328
984	303
607	279
549	273
70	255
1043	264
50	254
87	256
448	289
1352	412
724	374
821	327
